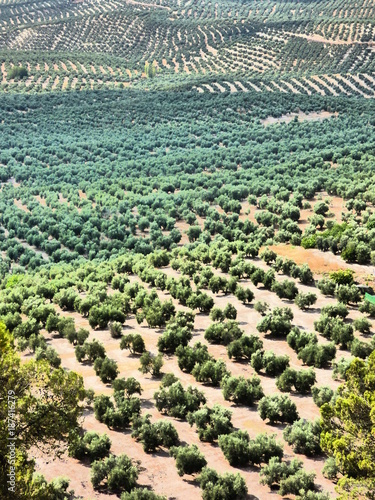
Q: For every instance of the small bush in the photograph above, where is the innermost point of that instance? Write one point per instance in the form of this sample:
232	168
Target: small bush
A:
304	437
18	73
91	445
114	473
226	486
211	422
189	460
242	391
278	408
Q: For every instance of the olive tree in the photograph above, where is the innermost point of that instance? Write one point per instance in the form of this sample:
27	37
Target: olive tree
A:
189	460
277	408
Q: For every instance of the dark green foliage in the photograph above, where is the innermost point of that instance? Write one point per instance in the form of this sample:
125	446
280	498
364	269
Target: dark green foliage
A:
335	310
340	368
304	437
168	379
49	354
335	329
142	494
188	356
178	332
117	473
298	339
362	325
305	300
290	478
90	445
66	299
268	361
317	355
89	351
134	342
245	295
285	289
278	408
326	286
261	307
18	73
151	364
177	402
348	294
361	349
77	337
277	322
322	395
367	307
239	449
117	413
236	447
211	422
223	333
189	460
100	316
268	256
330	469
305	275
244	347
210	372
227	486
106	369
301	380
127	387
152	436
242	391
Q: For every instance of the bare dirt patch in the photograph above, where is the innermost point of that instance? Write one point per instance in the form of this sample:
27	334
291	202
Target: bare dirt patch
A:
21	206
322	262
315	116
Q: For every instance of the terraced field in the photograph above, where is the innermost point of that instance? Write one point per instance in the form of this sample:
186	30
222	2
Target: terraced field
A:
291	47
187	191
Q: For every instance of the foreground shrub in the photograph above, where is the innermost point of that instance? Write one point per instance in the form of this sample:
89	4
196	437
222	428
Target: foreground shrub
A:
126	387
189	460
322	395
152	436
244	347
240	450
277	323
301	380
177	402
106	369
115	474
211	422
151	364
268	361
278	408
210	372
242	391
304	437
116	414
142	494
290	478
226	486
91	445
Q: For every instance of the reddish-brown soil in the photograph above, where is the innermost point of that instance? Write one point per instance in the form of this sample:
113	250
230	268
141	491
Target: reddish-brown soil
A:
336	208
158	470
